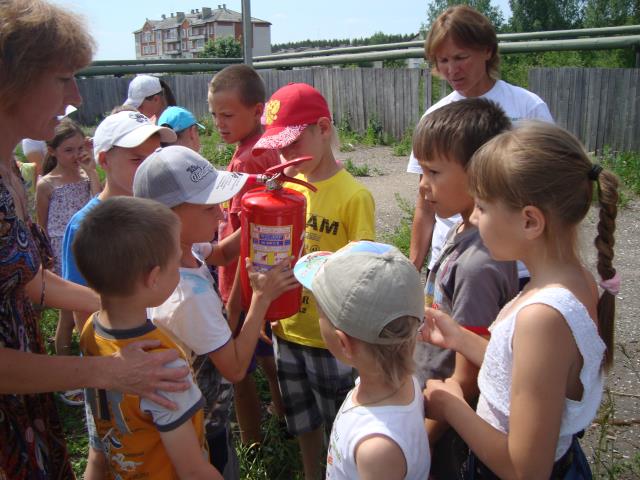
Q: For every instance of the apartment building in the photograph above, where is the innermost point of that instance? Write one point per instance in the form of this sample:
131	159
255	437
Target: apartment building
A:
183	35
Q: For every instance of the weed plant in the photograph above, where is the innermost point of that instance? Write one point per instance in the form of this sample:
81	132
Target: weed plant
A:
627	166
213	148
401	235
357	170
404	147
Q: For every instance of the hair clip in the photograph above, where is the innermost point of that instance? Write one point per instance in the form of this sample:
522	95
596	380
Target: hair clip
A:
611	285
594	172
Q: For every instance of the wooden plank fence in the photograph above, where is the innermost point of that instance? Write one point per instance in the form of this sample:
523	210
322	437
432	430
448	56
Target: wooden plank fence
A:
391	97
601	106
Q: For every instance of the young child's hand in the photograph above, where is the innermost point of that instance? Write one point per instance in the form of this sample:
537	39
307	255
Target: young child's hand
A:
270	285
439	329
86	160
438	394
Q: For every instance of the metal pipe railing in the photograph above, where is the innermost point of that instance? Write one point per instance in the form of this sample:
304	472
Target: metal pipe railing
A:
165	61
505	47
606	43
552	34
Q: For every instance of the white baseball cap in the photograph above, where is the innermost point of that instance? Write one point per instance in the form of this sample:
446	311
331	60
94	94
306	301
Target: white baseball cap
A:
175	174
127	129
141	87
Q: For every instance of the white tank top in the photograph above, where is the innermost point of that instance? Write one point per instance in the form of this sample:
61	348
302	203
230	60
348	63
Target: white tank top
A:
494	378
404	424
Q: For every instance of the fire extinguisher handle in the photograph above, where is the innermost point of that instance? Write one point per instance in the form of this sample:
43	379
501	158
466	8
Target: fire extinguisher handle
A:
291	163
286	178
282	177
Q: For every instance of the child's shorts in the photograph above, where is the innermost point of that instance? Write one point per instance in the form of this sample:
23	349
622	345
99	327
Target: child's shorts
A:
313	385
573	465
95	441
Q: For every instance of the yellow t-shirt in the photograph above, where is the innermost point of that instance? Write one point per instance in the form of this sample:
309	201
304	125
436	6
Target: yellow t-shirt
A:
341	211
130	426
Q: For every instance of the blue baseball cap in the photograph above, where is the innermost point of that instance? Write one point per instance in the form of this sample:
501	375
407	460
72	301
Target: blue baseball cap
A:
178	118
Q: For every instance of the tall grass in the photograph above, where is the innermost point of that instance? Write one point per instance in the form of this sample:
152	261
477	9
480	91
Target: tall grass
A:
401	235
213	148
627	166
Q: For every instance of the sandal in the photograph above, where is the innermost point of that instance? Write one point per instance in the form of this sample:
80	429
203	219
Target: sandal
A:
74	398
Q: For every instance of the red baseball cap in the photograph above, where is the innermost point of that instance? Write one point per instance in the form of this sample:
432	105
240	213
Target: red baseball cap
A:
288	112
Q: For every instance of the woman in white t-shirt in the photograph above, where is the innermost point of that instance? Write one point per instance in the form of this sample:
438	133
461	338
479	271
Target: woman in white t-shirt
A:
463	48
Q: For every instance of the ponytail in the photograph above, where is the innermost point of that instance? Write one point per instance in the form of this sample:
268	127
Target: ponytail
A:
607	185
49	163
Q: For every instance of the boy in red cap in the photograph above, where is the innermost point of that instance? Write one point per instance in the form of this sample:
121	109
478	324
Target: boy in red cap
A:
312	381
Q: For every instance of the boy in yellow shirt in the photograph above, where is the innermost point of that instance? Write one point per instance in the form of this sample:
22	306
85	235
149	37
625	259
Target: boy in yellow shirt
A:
313	383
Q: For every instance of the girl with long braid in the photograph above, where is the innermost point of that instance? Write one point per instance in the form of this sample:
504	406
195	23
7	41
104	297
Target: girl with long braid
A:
541	373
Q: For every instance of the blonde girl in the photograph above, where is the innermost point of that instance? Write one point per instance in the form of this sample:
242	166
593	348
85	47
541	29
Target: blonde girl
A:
541	373
69	181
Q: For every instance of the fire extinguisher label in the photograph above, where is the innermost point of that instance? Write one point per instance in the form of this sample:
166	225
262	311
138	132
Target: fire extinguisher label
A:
269	245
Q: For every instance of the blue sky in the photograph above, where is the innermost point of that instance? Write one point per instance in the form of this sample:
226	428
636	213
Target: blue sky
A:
112	22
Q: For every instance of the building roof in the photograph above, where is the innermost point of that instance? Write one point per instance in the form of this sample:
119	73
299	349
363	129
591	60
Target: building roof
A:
220	14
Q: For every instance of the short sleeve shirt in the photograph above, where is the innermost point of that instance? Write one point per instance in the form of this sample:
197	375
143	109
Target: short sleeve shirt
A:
243	161
342	210
129	425
469	285
193	316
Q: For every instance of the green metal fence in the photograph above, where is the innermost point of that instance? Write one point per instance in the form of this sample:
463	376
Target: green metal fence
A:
605	38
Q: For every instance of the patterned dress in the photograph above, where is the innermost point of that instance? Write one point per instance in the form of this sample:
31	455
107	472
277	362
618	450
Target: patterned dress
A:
64	202
32	444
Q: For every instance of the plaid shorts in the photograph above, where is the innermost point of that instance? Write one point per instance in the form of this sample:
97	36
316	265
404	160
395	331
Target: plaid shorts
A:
313	385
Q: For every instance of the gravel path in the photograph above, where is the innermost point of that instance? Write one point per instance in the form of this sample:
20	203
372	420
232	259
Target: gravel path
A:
389	178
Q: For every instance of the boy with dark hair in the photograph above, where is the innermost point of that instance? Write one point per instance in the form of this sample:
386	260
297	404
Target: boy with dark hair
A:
137	268
236	101
465	282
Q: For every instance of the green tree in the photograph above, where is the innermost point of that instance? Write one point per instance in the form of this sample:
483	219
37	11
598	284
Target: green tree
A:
611	13
225	47
543	15
492	12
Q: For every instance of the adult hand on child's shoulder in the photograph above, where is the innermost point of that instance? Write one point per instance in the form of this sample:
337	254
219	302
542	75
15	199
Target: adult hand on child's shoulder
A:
143	373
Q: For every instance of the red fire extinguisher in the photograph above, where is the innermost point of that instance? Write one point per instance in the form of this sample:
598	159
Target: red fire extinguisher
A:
273	223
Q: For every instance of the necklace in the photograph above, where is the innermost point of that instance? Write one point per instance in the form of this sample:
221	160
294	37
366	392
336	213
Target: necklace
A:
369	404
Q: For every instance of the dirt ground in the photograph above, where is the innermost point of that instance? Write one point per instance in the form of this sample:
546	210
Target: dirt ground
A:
619	443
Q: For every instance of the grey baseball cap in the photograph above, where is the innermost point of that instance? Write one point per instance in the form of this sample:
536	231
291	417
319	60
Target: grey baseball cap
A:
363	287
173	175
